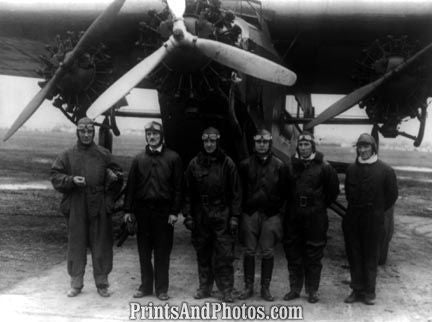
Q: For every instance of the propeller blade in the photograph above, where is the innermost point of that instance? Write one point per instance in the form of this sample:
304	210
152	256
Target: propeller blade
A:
177	7
353	98
123	85
96	29
344	103
32	106
246	62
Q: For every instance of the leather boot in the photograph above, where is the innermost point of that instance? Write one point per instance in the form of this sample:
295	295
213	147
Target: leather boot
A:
227	297
353	297
266	275
202	293
206	278
313	297
291	295
249	276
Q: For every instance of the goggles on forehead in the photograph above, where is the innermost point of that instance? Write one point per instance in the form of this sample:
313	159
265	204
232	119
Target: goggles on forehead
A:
82	127
363	144
305	137
211	136
260	137
153	126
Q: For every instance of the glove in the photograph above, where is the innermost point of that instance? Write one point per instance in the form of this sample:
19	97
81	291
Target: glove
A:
233	226
189	223
172	219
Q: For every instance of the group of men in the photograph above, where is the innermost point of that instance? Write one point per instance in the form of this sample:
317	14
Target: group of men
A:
263	200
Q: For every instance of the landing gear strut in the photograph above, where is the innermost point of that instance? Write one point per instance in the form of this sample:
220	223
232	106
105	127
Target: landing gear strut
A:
105	135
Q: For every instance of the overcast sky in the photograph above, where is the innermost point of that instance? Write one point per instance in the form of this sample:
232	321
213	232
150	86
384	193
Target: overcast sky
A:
16	92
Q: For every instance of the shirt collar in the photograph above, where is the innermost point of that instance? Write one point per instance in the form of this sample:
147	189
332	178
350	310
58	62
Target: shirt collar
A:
158	149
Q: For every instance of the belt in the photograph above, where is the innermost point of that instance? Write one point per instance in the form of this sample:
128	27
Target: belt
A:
207	201
361	206
305	201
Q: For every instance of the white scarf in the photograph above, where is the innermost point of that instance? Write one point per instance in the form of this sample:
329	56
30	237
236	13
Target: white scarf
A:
372	159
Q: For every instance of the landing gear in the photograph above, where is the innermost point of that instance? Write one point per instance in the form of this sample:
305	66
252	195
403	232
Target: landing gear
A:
105	135
304	101
375	135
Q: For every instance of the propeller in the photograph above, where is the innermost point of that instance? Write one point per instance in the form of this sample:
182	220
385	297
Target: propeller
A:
91	35
246	62
356	96
233	57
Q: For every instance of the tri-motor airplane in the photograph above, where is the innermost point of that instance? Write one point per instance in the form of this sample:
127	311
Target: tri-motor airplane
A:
229	63
221	62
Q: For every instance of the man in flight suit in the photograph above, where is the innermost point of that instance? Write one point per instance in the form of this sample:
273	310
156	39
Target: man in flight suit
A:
316	186
371	190
153	199
212	210
264	178
89	181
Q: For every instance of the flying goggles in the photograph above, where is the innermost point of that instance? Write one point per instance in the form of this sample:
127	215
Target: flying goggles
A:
261	137
83	127
153	126
211	136
305	137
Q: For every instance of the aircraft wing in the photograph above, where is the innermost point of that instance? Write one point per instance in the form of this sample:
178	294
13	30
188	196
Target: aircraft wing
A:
319	40
20	57
26	27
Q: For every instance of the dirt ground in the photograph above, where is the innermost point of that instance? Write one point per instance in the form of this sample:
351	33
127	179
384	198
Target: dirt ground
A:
33	279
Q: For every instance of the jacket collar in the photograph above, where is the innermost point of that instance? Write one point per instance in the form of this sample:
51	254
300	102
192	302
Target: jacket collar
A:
316	157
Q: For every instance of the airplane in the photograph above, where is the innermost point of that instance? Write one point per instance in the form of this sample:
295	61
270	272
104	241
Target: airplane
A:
228	63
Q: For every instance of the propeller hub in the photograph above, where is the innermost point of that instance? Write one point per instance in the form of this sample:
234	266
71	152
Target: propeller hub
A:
178	34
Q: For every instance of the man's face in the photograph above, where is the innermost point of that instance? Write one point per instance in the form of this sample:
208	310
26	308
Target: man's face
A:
86	134
364	151
153	138
262	146
210	145
305	149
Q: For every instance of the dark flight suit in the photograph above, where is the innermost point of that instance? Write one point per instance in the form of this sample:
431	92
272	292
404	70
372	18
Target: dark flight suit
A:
264	182
305	234
213	196
371	190
153	193
87	209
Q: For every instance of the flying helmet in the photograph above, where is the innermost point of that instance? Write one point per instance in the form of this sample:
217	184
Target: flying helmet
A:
308	137
367	139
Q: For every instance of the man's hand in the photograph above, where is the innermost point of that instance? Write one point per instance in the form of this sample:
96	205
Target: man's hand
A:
111	176
233	226
128	217
189	223
79	181
172	219
130	221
